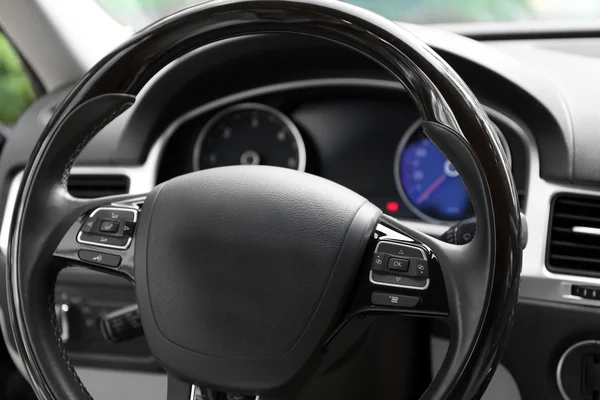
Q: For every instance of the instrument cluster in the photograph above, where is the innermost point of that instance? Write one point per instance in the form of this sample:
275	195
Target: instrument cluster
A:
376	149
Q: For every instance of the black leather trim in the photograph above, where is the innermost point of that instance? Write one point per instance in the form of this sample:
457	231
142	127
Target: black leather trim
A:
44	217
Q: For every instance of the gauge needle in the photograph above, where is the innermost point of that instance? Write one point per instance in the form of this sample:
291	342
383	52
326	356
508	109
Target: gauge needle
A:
436	184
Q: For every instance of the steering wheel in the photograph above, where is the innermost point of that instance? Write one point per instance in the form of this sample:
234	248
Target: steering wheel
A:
243	275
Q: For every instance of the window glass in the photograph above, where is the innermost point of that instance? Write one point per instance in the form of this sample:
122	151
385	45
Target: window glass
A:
16	90
139	13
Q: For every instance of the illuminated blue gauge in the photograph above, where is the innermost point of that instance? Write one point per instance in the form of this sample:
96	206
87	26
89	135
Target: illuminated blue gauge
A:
427	182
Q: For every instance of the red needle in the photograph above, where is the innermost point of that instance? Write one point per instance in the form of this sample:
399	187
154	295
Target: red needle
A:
436	184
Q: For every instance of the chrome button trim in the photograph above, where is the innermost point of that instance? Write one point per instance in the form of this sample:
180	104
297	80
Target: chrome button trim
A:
135	215
109	246
131	210
374	282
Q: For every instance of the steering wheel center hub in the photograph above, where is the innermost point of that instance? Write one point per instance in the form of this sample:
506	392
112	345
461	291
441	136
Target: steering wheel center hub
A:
234	264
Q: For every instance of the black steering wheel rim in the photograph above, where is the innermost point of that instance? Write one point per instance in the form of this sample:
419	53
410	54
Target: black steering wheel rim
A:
454	118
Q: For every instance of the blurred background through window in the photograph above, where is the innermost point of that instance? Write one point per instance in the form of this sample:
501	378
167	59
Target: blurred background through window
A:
139	13
16	90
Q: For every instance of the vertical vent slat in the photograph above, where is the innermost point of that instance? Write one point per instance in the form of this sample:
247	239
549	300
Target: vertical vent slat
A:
93	186
574	235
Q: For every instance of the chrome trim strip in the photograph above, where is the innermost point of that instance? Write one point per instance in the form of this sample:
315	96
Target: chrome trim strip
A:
394	234
561	362
9	208
374	282
131	210
403	244
108	246
586	230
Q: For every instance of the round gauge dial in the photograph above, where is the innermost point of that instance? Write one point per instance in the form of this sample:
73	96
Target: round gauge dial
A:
250	134
428	183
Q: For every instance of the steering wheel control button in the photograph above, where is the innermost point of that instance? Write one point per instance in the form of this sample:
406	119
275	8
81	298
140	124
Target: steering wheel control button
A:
379	261
104	241
88	225
411	264
394	300
402	250
408	282
94	257
128	228
109	226
118	214
422	269
398	264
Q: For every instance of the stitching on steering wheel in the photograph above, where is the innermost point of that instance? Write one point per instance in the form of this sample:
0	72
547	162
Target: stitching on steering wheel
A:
61	347
51	302
88	137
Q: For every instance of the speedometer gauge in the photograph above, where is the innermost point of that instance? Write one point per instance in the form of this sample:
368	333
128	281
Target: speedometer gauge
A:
250	134
427	181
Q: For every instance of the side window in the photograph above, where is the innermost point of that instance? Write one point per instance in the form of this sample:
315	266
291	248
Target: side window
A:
16	89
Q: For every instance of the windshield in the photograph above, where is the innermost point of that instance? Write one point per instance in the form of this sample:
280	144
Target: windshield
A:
139	13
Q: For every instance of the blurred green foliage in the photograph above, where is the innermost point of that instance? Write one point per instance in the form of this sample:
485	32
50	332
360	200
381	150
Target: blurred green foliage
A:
16	91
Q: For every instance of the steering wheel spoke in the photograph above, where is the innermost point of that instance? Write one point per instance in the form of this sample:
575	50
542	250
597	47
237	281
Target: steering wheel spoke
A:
400	274
102	236
458	269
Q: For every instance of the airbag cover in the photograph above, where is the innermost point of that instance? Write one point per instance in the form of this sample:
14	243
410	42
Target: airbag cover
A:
238	258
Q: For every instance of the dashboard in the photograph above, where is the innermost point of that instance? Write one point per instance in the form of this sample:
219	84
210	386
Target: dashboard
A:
363	134
298	102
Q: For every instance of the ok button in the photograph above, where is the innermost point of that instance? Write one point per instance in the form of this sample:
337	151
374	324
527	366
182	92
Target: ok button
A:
398	264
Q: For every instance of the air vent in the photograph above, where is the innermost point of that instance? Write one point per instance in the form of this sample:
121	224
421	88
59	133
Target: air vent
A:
574	238
92	186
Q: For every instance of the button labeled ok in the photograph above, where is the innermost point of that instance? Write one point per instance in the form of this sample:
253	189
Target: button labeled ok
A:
398	264
109	226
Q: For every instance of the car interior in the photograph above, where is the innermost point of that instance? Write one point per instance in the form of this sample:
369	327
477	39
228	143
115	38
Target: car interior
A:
304	199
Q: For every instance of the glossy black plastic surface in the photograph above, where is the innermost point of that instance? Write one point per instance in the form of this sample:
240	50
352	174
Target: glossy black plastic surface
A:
439	93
